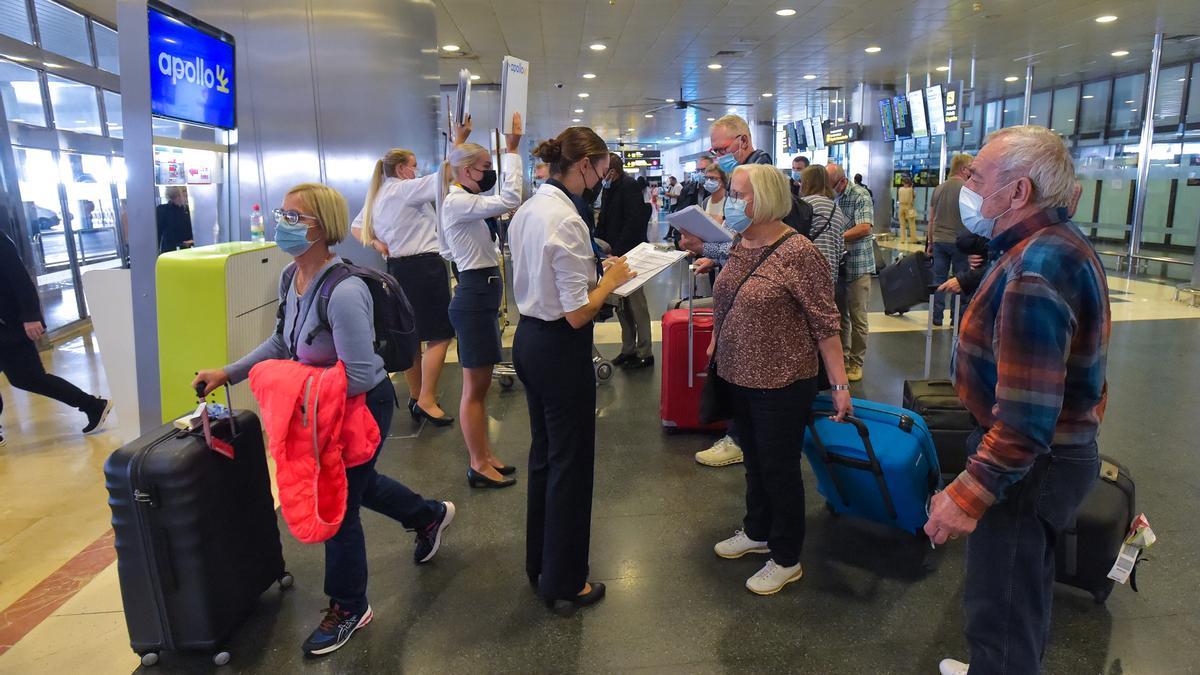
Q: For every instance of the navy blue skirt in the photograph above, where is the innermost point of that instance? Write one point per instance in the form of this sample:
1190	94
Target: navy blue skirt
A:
475	315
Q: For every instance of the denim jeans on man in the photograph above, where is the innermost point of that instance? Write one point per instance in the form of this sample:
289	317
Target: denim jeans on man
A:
944	255
346	551
1010	560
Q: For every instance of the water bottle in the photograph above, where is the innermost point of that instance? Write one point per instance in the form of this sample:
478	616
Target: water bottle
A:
256	224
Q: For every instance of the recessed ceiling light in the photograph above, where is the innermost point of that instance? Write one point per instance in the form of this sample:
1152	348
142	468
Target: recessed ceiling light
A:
575	119
942	69
451	48
589	76
1133	110
1006	110
785	12
767	94
1071	120
1033	117
714	66
732	111
1107	18
1011	78
474	77
583	94
631	129
649	115
578	110
1121	52
1087	96
810	77
873	50
1129	101
669	100
678	133
597	46
711	119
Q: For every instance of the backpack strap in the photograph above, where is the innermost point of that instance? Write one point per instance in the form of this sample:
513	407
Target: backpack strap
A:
285	283
325	287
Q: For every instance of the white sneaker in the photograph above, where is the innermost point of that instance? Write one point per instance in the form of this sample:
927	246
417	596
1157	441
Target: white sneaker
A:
723	453
773	577
739	545
953	667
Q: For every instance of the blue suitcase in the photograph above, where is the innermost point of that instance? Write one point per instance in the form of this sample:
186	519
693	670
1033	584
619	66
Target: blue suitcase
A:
881	465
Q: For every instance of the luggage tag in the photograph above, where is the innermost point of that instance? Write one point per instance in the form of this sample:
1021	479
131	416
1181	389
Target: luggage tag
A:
1140	538
213	442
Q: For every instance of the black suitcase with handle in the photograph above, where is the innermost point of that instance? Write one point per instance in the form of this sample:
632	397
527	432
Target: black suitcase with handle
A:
905	283
1088	548
196	535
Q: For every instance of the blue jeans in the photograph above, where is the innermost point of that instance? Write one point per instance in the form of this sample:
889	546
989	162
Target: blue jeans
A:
346	551
1010	561
945	254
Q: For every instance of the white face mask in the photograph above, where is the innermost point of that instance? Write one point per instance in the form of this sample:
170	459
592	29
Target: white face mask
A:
970	207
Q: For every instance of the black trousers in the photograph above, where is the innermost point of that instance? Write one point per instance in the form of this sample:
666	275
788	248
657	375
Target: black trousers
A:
771	424
19	360
554	362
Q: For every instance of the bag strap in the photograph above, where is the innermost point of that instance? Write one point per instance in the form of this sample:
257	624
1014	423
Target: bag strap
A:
285	282
813	235
753	269
325	287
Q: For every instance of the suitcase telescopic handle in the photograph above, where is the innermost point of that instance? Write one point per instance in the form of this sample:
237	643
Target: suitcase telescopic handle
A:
870	464
228	404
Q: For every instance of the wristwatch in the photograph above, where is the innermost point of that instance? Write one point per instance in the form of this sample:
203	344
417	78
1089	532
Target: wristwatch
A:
840	387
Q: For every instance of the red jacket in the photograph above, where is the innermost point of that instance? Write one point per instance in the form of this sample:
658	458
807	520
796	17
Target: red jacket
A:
307	415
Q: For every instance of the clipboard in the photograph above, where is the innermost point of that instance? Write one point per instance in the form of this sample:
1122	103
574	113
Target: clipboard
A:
694	220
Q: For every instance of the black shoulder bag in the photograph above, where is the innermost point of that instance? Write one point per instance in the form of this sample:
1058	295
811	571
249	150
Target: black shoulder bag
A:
716	404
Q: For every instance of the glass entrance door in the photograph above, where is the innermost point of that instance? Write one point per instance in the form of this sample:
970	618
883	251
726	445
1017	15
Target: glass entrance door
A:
54	259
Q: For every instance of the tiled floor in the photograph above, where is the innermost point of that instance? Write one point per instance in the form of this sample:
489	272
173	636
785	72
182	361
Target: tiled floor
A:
864	605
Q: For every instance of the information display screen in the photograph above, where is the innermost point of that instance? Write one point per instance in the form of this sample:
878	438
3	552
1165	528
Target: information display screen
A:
642	159
191	70
816	133
887	121
951	105
842	133
802	134
793	136
937	112
916	107
903	117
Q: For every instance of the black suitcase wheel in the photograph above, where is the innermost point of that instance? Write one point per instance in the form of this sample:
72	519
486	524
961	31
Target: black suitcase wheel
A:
149	659
286	581
220	658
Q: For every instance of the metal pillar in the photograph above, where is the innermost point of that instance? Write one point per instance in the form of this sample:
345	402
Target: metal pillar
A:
1143	169
1028	92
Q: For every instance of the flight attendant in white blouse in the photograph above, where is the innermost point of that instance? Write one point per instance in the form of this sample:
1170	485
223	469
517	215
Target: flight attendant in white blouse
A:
558	294
469	227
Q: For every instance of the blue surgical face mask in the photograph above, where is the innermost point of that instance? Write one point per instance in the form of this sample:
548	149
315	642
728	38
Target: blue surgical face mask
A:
292	239
712	184
970	207
735	214
727	163
796	175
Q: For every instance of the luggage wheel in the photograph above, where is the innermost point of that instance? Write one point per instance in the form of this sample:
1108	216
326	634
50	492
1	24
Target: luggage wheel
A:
604	371
149	659
507	381
286	581
220	658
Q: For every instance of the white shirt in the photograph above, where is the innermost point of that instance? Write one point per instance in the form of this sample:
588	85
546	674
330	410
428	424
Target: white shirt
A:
403	216
467	235
673	192
715	207
553	263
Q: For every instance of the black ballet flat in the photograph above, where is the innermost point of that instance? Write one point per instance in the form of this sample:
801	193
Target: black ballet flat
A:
412	405
419	414
566	608
506	470
478	480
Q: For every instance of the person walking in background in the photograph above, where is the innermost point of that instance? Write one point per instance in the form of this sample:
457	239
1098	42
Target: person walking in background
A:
468	221
774	317
908	212
945	227
855	277
674	189
621	214
858	180
398	221
173	221
21	325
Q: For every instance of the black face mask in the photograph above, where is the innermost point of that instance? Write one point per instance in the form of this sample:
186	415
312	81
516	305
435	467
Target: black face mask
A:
487	181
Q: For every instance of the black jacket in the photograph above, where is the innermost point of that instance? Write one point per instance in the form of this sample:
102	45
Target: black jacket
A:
18	295
174	226
972	244
623	218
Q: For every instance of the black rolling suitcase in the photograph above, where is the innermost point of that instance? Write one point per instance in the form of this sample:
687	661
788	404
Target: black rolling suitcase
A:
196	535
1087	549
905	283
937	403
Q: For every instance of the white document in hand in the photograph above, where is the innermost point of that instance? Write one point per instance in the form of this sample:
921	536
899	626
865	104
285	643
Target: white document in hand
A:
514	92
462	104
648	262
694	220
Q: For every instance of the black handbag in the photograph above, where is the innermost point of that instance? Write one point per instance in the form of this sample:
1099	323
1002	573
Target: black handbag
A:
716	401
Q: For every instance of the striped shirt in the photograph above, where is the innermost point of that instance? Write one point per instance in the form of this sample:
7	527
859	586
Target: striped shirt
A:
828	237
856	204
1031	359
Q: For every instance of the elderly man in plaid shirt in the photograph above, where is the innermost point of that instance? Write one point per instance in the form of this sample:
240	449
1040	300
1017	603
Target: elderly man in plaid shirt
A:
855	278
1030	366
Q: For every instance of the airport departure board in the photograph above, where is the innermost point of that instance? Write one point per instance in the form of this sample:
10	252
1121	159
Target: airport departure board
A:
936	110
887	121
903	118
916	108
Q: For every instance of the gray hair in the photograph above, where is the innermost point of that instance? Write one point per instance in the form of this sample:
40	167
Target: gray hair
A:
1041	154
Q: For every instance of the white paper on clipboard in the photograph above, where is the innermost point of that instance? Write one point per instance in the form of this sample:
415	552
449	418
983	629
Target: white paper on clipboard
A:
648	262
694	220
514	92
462	104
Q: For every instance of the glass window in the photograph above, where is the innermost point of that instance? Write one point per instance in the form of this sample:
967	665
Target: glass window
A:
1065	102
90	208
1093	107
106	48
1014	111
1193	106
112	110
1127	98
22	94
1168	101
1039	109
38	179
991	114
63	31
14	20
74	106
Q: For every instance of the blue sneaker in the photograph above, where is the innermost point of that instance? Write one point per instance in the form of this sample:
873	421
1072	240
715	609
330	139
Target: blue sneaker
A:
429	538
335	630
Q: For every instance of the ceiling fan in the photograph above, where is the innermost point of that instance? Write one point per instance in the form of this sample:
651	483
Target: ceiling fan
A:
680	104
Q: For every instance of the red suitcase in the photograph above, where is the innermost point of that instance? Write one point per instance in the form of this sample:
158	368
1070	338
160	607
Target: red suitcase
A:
685	337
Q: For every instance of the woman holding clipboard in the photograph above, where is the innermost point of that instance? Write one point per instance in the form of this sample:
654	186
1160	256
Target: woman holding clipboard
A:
558	295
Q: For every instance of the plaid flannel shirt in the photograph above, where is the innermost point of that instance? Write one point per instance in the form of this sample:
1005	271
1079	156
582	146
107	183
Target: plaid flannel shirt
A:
856	204
1031	359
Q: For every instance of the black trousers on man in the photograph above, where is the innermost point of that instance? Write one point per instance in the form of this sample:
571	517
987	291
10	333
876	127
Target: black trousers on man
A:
554	362
19	360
